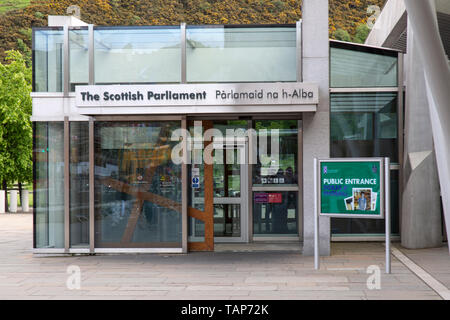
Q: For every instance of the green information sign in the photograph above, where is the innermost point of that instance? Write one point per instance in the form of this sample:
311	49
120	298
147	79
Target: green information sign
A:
351	188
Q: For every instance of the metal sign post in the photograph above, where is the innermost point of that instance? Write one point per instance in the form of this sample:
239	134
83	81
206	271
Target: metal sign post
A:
316	219
387	218
352	188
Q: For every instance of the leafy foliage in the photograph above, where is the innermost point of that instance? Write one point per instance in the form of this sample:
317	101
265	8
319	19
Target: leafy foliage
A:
343	35
15	112
362	31
348	15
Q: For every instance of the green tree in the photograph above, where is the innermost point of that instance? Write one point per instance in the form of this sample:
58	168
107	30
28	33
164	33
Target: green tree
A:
15	111
341	34
362	31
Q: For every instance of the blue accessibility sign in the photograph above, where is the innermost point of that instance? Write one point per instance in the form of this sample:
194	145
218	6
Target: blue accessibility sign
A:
195	182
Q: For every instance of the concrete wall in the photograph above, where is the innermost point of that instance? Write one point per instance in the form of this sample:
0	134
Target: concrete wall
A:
316	126
390	19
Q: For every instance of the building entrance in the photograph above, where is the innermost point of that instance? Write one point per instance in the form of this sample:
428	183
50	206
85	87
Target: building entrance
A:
230	191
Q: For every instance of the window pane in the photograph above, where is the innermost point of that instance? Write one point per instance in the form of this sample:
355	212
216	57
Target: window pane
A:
196	195
351	68
49	175
79	184
137	55
79	57
220	54
276	166
227	220
364	125
275	213
137	185
48	60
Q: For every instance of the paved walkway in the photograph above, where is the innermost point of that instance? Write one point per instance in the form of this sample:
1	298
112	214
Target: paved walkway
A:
220	275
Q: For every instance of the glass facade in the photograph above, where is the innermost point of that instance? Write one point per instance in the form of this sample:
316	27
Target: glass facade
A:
137	55
48	60
364	125
275	212
48	154
196	196
276	167
79	57
229	54
137	189
137	186
150	54
362	67
363	122
79	184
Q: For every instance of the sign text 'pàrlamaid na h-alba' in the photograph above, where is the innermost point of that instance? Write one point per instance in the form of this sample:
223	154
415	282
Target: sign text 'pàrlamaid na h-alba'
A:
294	93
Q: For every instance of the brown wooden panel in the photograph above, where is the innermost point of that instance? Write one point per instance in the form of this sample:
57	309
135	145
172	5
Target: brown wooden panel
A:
199	246
207	216
209	195
197	214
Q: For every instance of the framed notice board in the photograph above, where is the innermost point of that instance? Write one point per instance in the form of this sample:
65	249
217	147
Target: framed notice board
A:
351	188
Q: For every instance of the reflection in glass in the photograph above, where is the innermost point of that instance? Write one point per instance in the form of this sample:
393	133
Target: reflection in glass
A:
227	177
196	194
48	60
79	57
227	220
352	68
364	125
281	169
196	230
137	185
79	184
137	54
275	213
49	184
221	54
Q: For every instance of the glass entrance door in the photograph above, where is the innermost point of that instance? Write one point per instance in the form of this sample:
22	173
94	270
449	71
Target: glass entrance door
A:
230	194
230	191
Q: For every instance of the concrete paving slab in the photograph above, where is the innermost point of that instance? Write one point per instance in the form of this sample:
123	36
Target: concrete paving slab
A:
208	276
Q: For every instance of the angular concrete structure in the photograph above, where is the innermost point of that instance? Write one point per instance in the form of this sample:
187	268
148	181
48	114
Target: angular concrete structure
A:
421	205
421	223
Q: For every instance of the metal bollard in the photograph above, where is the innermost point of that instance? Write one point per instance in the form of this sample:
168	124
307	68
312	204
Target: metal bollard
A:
2	201
24	201
13	201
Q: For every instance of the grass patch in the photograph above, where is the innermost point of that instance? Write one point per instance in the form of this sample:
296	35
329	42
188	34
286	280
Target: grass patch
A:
8	5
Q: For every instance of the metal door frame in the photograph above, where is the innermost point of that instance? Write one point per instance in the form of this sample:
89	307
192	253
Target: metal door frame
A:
237	143
240	144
